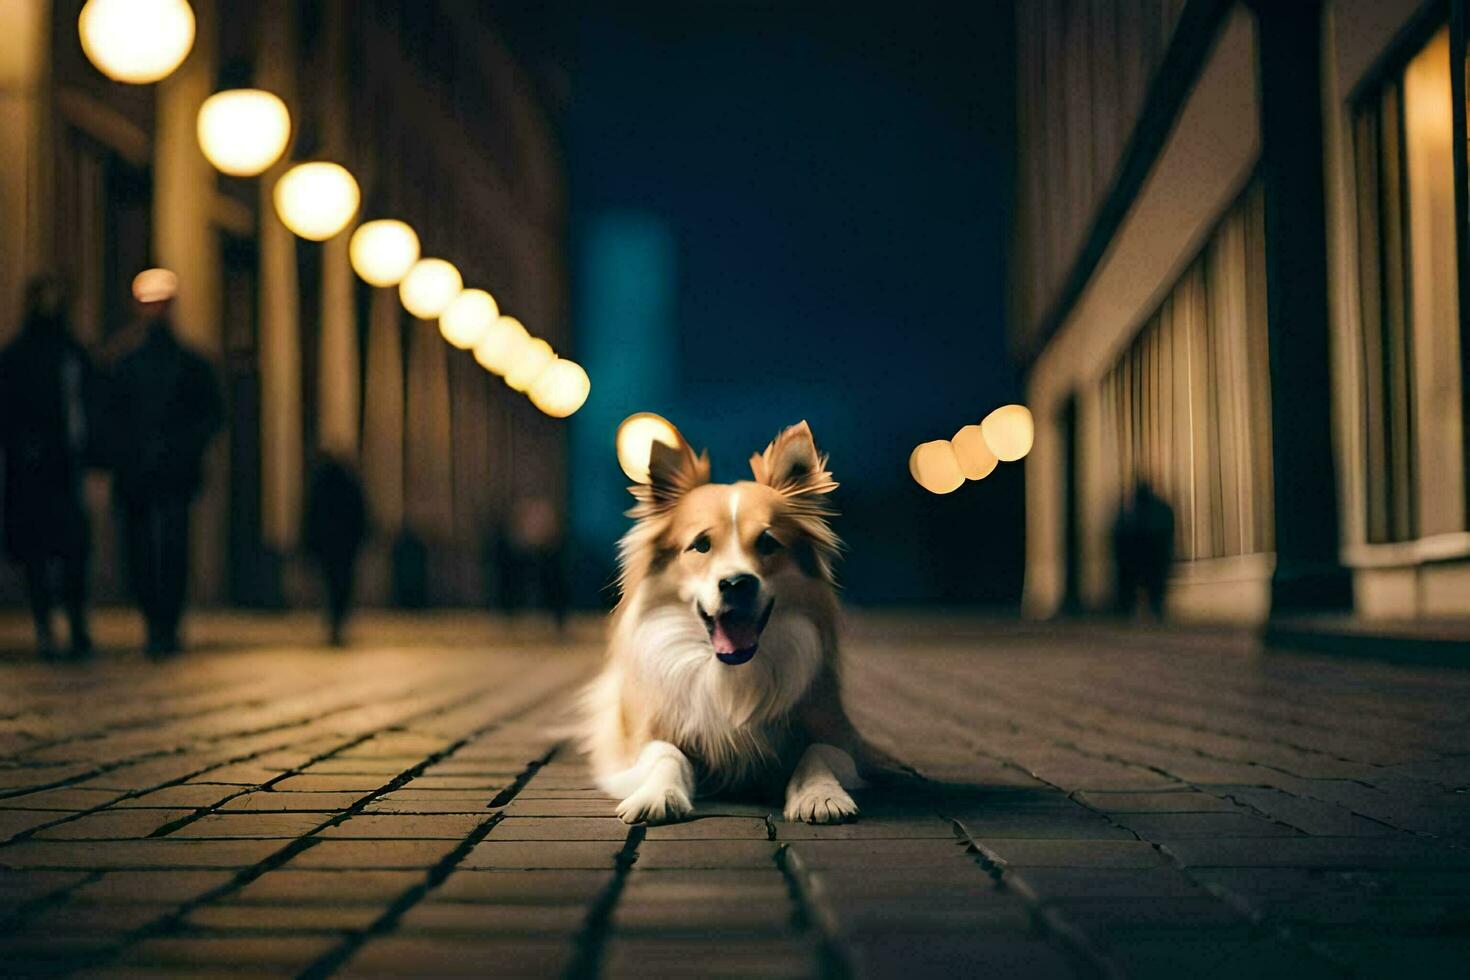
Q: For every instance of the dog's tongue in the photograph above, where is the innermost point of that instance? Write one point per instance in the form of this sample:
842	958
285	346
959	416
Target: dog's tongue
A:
732	636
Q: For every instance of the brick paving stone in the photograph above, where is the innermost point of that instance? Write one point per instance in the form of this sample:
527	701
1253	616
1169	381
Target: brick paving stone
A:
398	827
564	828
192	795
283	918
267	801
500	918
69	799
1054	883
869	853
331	784
438	956
1070	853
250	826
765	886
596	807
1180	801
13	822
644	956
577	887
139	854
373	854
495	855
707	854
713	828
428	803
127	887
897	954
326	886
1315	852
95	919
1179	826
286	952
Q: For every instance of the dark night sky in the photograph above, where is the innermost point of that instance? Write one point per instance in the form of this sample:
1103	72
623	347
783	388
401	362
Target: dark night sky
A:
837	186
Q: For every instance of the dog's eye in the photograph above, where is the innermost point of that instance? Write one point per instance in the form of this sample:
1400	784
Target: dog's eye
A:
700	544
768	544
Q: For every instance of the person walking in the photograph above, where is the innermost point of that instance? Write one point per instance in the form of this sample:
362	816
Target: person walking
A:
163	407
1143	550
335	526
45	391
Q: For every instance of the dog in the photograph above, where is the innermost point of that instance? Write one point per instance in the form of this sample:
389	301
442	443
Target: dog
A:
722	671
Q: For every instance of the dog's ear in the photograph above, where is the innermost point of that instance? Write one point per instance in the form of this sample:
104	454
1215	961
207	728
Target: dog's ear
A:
672	472
792	464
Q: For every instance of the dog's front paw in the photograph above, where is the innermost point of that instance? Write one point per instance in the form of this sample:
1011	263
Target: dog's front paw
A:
656	804
823	803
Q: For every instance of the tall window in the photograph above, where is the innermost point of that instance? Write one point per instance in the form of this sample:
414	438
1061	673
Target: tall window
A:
1403	135
1187	405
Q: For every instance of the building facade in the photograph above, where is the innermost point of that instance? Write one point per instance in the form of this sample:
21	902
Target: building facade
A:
1240	256
427	105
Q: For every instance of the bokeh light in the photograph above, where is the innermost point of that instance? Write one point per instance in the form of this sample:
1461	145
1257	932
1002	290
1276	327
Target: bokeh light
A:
1009	432
243	131
497	350
936	468
430	286
136	41
383	251
635	439
531	358
468	318
155	286
561	389
976	460
316	200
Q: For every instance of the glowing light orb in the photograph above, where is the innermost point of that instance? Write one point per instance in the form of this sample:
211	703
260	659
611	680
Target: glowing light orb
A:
497	350
936	468
383	251
531	358
430	286
1009	432
976	460
317	200
468	318
635	439
136	41
155	286
561	389
243	131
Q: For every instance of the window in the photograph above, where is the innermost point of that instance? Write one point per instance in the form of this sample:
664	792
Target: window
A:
1187	406
1408	273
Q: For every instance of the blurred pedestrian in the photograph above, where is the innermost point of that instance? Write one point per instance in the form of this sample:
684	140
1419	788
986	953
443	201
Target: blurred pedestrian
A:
1143	550
162	408
46	386
336	524
531	572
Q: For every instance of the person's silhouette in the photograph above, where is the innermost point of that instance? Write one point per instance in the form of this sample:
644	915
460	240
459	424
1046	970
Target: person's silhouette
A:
336	523
1143	550
163	407
45	428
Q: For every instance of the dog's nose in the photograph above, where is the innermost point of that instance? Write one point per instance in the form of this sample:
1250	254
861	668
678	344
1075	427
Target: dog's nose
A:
739	588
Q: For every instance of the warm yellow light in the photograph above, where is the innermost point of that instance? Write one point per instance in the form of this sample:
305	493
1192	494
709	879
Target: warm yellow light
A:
635	440
430	286
561	389
136	41
1009	432
383	251
155	286
468	318
976	459
531	358
317	200
243	131
936	468
497	350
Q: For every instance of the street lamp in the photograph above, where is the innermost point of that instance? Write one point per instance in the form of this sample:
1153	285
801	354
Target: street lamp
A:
635	439
496	351
561	389
383	251
1009	432
136	41
468	318
316	200
531	358
975	458
243	131
429	288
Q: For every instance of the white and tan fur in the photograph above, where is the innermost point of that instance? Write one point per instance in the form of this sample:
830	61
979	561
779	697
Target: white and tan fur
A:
666	717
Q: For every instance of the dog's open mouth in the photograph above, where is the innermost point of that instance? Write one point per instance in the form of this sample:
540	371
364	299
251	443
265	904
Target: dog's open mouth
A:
735	635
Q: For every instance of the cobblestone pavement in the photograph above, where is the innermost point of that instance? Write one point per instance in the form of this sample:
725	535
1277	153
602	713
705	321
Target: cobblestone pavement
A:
1086	803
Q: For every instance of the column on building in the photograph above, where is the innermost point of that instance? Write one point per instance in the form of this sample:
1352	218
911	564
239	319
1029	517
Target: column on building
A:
25	114
338	397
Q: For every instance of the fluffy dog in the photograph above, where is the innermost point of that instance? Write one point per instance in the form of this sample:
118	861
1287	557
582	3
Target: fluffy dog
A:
722	667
